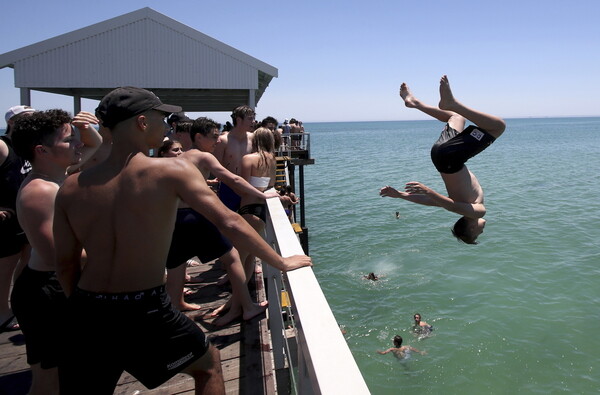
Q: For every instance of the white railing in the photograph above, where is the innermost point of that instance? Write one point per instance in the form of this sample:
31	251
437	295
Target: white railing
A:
325	364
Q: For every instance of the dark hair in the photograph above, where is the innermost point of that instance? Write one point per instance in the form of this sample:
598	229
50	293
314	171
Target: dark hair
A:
183	127
36	129
241	112
227	127
167	144
267	121
398	340
420	316
461	232
202	126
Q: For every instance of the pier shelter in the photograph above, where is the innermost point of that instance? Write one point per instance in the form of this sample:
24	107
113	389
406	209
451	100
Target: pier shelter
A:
143	48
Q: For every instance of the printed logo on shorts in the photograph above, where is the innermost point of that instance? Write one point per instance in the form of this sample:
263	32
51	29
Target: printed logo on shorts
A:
180	361
477	134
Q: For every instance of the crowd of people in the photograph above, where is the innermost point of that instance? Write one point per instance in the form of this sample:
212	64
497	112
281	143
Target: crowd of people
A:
101	212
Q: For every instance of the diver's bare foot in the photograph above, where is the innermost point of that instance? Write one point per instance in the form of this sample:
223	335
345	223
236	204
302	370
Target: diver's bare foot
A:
188	307
447	101
406	95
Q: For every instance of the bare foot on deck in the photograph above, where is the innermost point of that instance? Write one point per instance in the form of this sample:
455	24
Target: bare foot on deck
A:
193	280
406	95
184	306
221	309
234	314
223	280
447	101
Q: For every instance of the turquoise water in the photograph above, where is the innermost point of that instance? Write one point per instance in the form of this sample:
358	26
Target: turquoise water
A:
518	313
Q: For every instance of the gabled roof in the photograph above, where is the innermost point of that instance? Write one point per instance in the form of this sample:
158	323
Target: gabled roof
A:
147	49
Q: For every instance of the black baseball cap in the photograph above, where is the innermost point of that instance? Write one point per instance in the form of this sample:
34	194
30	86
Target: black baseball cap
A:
178	117
126	102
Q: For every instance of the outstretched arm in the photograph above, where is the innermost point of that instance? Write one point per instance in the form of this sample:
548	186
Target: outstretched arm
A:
470	210
388	191
384	352
235	182
190	186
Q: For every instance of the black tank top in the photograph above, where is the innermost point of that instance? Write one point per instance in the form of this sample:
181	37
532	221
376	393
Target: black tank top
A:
12	173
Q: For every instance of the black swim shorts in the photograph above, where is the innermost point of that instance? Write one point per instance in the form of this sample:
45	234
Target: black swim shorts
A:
137	332
194	235
257	209
453	149
38	302
12	237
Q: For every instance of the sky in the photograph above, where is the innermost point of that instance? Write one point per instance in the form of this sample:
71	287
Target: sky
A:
345	60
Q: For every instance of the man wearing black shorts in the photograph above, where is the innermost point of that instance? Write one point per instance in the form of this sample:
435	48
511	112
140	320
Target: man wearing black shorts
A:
122	212
449	154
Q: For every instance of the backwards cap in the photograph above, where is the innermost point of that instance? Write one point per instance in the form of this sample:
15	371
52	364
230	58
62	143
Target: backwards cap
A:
16	110
126	102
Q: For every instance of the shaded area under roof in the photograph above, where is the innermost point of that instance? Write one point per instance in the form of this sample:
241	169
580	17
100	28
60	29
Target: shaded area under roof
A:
147	49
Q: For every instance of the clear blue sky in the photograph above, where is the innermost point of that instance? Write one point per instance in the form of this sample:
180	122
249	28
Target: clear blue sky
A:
344	60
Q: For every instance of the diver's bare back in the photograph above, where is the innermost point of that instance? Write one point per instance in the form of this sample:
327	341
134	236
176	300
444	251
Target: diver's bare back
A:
124	219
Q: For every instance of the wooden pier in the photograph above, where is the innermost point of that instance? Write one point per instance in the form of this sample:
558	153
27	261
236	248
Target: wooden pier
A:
244	346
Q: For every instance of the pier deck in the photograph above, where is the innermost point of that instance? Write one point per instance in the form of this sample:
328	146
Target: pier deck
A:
244	347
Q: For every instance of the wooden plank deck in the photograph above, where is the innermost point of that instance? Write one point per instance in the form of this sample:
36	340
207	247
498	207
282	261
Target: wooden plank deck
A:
244	347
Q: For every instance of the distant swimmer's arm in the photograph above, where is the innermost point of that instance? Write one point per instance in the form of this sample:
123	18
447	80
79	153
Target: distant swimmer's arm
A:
190	186
385	352
415	350
67	248
470	210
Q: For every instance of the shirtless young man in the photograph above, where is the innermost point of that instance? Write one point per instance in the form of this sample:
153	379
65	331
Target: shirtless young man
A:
52	145
231	149
449	154
122	212
195	236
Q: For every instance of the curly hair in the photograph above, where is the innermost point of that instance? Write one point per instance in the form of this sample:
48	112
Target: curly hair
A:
36	129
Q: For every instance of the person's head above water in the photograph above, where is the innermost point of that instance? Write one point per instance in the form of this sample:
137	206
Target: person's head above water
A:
468	229
397	341
417	318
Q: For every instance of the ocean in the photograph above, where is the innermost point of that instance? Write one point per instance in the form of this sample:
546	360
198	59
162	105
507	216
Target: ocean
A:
518	313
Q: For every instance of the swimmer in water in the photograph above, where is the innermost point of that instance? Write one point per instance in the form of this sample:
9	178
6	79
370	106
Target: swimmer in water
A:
400	351
421	327
371	276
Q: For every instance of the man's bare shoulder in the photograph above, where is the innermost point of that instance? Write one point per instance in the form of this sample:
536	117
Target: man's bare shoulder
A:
36	189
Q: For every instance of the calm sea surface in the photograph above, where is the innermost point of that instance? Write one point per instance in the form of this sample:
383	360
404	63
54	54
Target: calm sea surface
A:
518	313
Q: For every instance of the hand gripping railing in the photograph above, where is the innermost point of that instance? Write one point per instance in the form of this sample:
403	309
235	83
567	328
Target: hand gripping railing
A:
325	363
